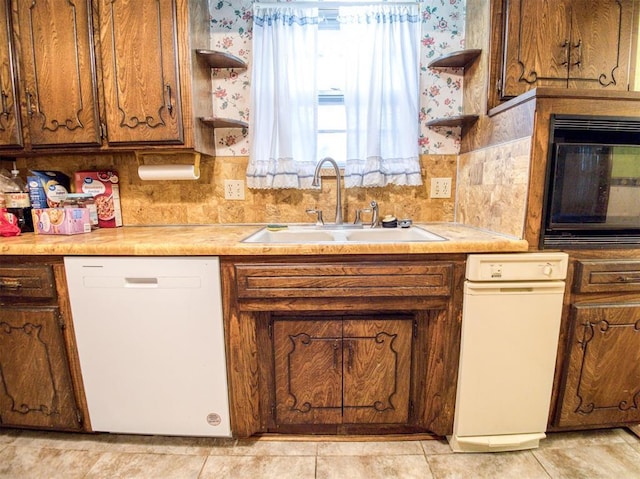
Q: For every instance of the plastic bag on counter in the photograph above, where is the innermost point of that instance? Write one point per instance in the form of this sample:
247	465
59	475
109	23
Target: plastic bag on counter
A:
8	224
7	185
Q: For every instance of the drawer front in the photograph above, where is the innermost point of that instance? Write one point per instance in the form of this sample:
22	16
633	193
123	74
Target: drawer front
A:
403	279
607	276
27	282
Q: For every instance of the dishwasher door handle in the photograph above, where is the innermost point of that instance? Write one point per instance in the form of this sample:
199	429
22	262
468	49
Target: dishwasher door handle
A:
141	282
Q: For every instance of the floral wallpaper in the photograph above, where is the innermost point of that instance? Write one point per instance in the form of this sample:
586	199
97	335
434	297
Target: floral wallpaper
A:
441	89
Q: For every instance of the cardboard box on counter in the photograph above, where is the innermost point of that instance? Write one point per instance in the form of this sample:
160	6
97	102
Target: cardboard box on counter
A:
61	221
103	186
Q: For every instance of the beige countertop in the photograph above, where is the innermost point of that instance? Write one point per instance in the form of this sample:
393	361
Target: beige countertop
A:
225	240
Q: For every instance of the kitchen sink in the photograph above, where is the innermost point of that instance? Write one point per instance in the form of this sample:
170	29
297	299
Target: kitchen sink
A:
326	234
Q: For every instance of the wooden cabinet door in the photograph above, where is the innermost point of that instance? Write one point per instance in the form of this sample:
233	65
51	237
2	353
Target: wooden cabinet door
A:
57	65
377	370
10	127
537	45
140	71
602	379
308	371
566	44
35	380
600	44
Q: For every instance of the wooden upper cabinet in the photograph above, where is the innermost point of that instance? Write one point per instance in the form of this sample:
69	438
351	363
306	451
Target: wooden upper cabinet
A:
565	44
140	71
57	74
10	127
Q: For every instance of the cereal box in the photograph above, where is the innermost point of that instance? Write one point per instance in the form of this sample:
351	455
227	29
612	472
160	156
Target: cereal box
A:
103	185
61	221
48	189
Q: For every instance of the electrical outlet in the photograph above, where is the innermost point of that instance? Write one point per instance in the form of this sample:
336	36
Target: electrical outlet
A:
233	189
440	188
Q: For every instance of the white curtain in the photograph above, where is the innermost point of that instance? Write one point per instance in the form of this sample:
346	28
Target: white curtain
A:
382	94
283	119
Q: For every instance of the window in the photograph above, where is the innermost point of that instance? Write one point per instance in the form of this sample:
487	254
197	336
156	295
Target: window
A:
338	82
332	120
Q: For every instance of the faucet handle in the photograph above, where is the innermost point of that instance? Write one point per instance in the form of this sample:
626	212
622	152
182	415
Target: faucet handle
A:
358	220
318	213
375	217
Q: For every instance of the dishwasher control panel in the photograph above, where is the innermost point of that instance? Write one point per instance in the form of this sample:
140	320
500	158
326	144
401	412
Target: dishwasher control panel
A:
517	267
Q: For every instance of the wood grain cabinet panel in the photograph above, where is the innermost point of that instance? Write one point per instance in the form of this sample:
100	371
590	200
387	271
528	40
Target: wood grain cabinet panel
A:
10	125
35	379
342	371
20	283
602	381
565	44
57	72
140	71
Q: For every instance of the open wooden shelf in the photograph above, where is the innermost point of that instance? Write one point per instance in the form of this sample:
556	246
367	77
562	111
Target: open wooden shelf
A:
224	123
217	59
458	59
461	120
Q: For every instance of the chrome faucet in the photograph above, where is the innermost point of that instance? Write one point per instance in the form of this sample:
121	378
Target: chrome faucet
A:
318	182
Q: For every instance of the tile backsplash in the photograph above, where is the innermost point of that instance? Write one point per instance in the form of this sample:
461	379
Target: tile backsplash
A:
202	201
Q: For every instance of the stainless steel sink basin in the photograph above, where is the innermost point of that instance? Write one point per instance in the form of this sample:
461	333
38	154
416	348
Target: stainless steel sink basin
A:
314	234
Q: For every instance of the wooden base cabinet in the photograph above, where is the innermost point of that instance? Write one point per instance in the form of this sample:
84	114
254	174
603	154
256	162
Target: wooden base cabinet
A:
342	344
344	370
601	379
36	388
37	365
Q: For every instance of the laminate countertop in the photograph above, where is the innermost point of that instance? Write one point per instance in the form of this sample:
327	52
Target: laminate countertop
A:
226	240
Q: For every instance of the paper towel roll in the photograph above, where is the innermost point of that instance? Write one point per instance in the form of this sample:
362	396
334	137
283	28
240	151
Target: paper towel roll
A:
168	172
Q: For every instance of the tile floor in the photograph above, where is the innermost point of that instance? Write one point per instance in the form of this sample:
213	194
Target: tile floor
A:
613	453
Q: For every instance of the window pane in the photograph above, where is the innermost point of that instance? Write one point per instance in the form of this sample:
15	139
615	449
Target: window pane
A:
333	145
331	117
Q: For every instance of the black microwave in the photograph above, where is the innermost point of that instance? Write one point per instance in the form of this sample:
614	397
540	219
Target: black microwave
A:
592	187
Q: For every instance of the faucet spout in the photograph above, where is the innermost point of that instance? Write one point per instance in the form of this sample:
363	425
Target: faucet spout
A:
318	182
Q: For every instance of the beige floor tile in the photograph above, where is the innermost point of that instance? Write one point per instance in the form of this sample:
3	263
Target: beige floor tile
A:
145	466
632	435
583	438
592	462
27	463
246	447
259	467
7	436
373	467
373	448
118	443
436	446
501	465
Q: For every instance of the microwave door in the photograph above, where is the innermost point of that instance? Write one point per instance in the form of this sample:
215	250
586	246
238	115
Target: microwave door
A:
581	185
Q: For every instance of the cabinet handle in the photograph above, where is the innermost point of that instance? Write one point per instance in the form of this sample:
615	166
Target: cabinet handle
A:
12	284
578	46
30	108
349	356
567	52
336	350
5	108
170	99
628	279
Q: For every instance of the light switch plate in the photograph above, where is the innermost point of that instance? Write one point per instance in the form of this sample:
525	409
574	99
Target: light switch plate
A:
440	188
233	189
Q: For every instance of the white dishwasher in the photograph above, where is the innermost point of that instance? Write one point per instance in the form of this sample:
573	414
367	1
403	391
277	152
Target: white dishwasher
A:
511	315
151	343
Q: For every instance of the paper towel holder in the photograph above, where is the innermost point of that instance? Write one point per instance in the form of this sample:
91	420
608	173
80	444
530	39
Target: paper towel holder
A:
196	163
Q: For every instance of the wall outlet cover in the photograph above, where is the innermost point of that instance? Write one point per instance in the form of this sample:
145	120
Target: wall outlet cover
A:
440	188
234	189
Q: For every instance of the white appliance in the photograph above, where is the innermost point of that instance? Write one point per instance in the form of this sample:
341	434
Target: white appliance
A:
151	343
511	315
